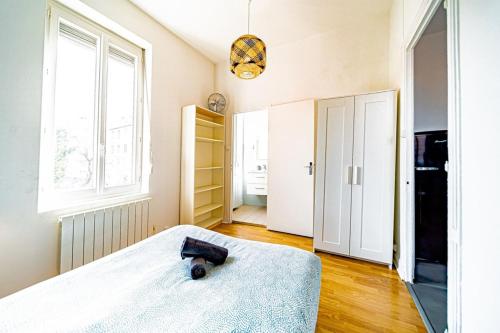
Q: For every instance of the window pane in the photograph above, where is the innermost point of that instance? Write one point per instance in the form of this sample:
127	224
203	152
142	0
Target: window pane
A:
74	122
120	122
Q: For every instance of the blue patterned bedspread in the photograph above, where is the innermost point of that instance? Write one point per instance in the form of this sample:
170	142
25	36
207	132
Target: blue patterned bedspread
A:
147	288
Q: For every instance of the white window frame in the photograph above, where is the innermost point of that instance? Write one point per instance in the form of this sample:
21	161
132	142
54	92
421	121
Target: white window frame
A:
88	21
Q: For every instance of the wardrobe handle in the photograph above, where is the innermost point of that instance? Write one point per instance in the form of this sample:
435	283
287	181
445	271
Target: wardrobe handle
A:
349	175
357	175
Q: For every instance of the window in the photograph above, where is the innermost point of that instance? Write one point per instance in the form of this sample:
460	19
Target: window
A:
93	114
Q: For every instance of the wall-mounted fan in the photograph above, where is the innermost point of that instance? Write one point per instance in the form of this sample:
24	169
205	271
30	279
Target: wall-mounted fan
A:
217	103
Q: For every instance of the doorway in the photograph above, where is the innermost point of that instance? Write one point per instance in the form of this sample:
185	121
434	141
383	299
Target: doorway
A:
273	167
250	162
430	164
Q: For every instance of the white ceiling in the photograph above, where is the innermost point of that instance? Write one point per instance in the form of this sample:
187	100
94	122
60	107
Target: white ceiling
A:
212	25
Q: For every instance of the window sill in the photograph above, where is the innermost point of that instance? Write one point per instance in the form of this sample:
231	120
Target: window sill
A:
92	205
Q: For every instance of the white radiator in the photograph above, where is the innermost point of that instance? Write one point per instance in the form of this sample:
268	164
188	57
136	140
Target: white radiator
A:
90	235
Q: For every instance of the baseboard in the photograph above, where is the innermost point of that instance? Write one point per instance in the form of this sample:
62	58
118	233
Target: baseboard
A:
249	223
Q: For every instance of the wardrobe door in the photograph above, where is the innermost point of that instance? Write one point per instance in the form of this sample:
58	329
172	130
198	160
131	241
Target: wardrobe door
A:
374	153
333	175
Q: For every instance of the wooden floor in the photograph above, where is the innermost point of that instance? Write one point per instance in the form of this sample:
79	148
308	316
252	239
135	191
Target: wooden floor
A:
356	296
250	214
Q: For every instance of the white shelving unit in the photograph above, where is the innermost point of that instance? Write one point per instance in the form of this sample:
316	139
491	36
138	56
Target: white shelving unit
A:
202	171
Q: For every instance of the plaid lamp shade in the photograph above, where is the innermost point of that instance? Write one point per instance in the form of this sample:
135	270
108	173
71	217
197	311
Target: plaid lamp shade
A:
248	57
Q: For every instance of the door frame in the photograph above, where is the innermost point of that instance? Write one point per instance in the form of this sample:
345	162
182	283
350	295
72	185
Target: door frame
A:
233	147
406	265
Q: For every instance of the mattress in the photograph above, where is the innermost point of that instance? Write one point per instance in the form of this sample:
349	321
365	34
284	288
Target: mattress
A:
147	288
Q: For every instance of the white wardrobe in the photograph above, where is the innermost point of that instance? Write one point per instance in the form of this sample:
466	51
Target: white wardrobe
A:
355	176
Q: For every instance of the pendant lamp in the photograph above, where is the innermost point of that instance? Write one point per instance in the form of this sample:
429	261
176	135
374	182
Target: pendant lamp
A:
248	55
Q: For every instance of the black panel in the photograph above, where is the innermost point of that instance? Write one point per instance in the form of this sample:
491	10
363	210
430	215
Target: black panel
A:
431	154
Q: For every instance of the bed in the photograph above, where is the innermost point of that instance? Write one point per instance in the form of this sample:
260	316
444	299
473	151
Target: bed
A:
147	288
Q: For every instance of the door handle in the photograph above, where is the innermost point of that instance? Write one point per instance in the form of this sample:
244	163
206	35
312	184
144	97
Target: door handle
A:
357	173
310	168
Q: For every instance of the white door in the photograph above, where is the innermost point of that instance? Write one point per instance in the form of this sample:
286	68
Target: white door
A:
237	160
332	209
374	155
290	175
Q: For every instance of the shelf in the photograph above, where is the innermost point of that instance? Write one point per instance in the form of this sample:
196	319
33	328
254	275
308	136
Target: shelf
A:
206	209
210	222
209	140
202	167
207	123
206	188
210	168
207	112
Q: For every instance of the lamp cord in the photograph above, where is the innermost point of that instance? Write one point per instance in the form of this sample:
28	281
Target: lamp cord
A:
249	2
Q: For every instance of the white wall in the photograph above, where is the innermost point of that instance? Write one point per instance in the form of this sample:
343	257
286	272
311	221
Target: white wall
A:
412	11
480	127
403	20
29	242
396	41
431	83
351	59
396	47
348	60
